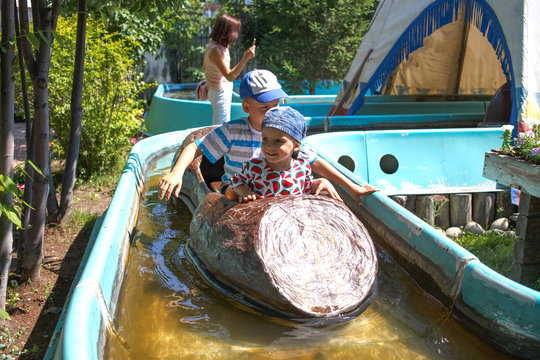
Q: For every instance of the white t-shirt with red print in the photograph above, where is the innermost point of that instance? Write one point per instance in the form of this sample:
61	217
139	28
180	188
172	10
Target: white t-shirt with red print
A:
265	181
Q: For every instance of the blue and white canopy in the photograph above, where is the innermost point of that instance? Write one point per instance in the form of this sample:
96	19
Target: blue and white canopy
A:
449	47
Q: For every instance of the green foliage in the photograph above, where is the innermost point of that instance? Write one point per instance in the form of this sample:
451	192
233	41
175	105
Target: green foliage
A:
12	204
8	349
146	31
536	285
182	38
144	22
438	203
13	297
494	250
80	219
307	40
111	103
526	145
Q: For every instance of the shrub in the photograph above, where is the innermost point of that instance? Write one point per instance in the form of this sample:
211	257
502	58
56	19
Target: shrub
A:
111	102
494	250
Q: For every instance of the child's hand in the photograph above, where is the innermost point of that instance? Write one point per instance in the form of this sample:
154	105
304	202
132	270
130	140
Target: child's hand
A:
245	194
323	184
251	197
170	184
357	191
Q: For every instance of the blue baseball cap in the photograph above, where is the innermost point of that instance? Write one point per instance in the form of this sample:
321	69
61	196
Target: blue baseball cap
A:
262	86
286	119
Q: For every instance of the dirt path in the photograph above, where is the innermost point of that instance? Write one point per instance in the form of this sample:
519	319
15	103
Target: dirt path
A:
19	135
35	307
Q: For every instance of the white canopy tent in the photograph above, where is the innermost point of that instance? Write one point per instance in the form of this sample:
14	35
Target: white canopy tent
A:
449	47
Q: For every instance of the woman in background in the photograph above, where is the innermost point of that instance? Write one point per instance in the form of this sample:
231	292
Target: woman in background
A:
219	75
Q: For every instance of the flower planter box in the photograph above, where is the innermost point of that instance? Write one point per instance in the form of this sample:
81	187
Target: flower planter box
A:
513	172
525	176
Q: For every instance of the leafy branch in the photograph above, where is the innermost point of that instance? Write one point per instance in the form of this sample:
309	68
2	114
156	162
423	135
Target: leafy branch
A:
7	185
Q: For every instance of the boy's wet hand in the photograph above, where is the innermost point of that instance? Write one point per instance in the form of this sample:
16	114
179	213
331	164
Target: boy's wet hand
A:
169	184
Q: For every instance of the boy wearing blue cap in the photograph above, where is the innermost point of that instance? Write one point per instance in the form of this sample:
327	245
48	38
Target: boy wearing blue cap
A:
279	172
240	140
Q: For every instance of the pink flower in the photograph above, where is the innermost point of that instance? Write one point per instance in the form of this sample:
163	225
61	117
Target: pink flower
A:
20	186
134	140
438	198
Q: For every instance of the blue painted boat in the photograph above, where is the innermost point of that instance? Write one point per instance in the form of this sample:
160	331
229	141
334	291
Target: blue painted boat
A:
504	312
498	309
175	107
168	113
408	162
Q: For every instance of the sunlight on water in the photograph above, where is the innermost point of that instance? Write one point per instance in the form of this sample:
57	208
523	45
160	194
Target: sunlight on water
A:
167	311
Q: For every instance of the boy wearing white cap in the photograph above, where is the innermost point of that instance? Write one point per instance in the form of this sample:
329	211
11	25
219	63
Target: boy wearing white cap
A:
240	140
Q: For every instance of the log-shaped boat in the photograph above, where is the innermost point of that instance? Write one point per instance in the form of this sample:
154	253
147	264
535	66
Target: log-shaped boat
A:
295	256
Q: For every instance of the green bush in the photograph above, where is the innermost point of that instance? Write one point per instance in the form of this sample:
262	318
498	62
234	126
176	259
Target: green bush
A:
111	102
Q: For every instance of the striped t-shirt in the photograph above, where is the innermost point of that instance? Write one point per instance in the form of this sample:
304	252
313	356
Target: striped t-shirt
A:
238	141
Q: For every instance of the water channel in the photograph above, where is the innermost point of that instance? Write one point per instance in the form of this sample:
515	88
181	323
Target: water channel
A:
167	311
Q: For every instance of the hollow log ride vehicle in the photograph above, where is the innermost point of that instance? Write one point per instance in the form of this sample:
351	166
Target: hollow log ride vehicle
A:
293	256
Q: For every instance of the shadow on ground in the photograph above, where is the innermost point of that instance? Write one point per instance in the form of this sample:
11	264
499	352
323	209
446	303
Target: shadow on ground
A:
66	270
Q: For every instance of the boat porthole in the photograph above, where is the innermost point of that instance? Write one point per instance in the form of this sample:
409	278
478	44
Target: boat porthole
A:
389	164
347	162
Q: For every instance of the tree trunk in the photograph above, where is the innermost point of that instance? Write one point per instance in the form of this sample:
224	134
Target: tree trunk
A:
7	144
44	19
70	171
27	197
33	252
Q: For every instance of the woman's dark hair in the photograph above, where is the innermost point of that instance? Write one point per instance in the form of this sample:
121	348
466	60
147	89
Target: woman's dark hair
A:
224	28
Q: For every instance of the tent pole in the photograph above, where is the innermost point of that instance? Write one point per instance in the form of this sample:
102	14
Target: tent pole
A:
462	56
347	92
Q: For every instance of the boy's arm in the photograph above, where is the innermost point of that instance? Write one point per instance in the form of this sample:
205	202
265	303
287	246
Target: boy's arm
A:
325	169
173	180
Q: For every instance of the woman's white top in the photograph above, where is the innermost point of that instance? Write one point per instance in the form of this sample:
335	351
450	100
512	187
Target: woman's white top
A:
214	77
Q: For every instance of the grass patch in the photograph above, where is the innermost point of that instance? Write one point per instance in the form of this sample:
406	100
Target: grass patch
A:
494	250
82	219
536	285
100	182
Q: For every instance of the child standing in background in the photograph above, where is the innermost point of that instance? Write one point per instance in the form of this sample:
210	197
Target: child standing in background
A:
216	64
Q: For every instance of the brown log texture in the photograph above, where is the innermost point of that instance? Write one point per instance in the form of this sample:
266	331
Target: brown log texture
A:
302	256
298	256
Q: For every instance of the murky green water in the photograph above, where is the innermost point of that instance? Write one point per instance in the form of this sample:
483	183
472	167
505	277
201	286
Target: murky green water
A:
167	311
186	94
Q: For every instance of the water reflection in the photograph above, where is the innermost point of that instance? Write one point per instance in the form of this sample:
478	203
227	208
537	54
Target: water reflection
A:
167	311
